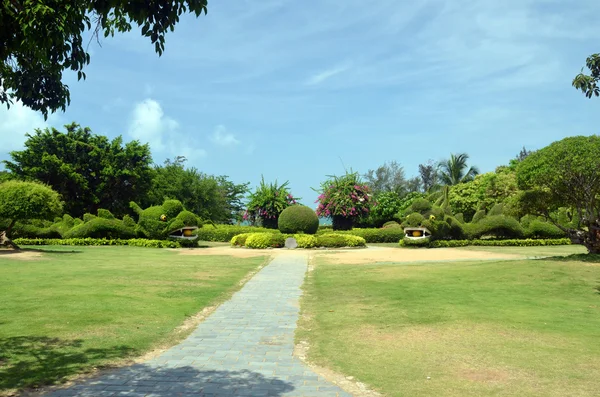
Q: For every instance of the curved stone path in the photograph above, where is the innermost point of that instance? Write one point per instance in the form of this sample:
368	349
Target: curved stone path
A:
243	349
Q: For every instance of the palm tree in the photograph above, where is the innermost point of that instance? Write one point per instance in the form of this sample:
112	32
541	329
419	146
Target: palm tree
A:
452	171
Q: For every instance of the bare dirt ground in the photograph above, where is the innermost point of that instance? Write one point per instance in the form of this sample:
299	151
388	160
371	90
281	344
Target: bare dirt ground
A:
21	255
365	255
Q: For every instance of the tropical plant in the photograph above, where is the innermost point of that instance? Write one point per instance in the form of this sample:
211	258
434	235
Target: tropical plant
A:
344	199
454	170
267	202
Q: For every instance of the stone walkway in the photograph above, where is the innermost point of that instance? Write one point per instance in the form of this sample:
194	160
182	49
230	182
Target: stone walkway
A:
243	349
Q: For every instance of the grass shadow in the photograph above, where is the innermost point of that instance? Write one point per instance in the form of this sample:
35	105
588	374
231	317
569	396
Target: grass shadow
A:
39	250
30	361
589	258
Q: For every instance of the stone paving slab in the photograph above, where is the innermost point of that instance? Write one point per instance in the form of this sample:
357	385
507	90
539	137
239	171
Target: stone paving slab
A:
243	349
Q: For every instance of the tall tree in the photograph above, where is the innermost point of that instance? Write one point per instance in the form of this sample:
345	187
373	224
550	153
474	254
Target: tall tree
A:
565	174
43	38
89	171
454	170
388	177
589	84
428	174
214	198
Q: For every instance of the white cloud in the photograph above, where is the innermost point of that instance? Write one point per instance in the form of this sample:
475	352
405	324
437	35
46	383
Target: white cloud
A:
223	138
149	124
15	123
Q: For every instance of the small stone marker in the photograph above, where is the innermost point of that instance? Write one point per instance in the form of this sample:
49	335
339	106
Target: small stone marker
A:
291	243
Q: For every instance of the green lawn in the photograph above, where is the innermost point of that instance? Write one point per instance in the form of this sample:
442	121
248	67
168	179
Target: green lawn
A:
82	307
493	328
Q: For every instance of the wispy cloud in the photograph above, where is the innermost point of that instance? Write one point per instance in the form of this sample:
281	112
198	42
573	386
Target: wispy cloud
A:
222	137
320	77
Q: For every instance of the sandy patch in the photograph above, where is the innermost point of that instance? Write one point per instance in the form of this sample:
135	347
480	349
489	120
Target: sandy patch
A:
21	255
395	255
230	251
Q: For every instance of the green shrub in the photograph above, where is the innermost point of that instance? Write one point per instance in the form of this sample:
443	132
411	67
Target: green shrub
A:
29	230
224	233
239	240
265	240
500	243
391	224
128	221
420	205
339	240
77	222
497	209
540	229
527	219
306	240
101	228
172	208
298	219
479	215
459	217
413	220
414	243
106	214
88	217
97	242
372	235
499	226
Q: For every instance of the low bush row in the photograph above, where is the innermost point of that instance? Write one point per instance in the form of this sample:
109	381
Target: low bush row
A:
136	242
224	233
277	240
487	243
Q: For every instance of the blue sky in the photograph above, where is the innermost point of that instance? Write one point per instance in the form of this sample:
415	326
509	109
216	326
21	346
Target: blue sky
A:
292	91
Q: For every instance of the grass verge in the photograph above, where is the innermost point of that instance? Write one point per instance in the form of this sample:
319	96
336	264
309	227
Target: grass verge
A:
75	309
509	328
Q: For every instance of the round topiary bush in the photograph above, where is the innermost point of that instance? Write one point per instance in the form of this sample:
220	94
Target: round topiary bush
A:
298	219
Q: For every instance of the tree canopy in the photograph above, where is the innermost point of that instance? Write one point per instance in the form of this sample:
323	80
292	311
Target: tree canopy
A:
41	39
89	171
565	174
589	83
388	177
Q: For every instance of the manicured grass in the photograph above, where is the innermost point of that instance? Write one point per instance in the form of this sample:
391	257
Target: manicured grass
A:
555	250
505	328
77	308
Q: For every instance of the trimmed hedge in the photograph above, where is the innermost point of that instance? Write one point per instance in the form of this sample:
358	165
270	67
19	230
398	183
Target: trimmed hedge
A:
100	227
239	240
339	240
224	233
540	229
409	243
373	235
306	240
298	219
136	242
265	240
493	243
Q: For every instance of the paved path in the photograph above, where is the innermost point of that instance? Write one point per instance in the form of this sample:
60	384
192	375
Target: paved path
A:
243	349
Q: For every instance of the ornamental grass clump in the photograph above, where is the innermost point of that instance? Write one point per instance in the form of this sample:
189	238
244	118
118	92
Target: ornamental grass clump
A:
344	199
267	202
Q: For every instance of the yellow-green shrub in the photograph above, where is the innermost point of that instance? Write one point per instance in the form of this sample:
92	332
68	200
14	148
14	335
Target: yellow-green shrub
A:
265	240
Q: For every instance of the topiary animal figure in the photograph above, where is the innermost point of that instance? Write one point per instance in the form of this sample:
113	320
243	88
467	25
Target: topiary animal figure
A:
170	219
298	219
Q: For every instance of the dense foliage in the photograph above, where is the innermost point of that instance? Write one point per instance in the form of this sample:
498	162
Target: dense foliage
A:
277	240
298	219
137	242
267	202
589	83
43	39
565	174
89	171
26	200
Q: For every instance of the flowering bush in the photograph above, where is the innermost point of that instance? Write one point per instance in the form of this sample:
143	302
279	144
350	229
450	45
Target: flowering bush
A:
267	202
344	199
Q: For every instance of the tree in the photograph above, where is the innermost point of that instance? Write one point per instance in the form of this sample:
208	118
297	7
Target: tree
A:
565	174
428	174
43	38
25	200
214	198
589	83
5	176
89	171
387	178
454	170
